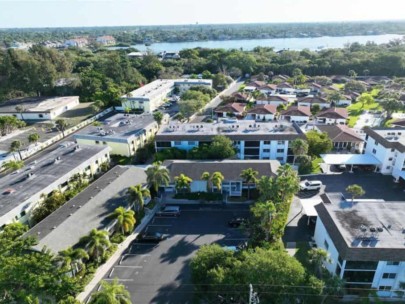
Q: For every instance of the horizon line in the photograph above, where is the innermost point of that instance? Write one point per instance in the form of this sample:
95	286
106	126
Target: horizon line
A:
206	24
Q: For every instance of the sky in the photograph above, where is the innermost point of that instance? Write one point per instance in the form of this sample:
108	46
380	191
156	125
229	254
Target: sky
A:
68	13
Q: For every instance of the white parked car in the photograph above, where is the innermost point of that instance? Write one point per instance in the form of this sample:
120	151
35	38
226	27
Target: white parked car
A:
310	185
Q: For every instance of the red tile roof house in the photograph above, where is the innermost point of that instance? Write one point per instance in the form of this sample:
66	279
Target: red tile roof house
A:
316	87
241	97
231	110
257	84
343	137
309	101
345	101
299	115
268	88
275	100
262	113
332	116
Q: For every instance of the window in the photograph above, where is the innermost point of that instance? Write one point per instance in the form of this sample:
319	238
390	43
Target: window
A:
376	143
63	185
391	263
177	143
88	167
385	288
104	142
97	162
191	143
338	270
374	151
389	275
326	244
392	150
363	265
23	214
266	142
389	159
280	150
388	167
266	150
41	115
280	142
280	159
97	142
340	260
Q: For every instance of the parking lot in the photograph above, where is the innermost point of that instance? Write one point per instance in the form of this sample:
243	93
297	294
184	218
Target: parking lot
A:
159	273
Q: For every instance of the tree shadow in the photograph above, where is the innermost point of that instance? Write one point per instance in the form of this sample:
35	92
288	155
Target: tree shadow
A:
182	248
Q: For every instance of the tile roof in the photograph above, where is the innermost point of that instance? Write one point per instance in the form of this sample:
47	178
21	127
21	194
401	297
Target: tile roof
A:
275	98
334	113
398	122
241	96
234	107
313	99
256	84
263	109
297	111
284	85
340	133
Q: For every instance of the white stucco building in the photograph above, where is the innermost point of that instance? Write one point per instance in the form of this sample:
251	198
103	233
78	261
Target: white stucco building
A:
252	140
152	95
38	108
23	190
364	241
388	146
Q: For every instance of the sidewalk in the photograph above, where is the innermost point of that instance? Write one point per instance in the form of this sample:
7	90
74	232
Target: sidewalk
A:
103	269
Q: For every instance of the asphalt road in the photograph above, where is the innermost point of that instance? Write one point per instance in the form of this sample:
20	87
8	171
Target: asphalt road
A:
159	273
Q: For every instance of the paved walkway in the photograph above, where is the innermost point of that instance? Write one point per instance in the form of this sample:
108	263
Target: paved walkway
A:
103	269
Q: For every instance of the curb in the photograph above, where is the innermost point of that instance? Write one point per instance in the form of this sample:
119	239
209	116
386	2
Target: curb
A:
103	269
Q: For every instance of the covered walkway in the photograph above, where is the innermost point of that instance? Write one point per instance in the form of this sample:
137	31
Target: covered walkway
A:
351	160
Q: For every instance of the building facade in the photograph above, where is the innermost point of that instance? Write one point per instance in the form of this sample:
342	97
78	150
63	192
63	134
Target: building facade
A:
252	140
125	134
152	95
22	191
364	241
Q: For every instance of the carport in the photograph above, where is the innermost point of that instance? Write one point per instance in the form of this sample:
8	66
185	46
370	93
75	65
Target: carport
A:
351	160
308	207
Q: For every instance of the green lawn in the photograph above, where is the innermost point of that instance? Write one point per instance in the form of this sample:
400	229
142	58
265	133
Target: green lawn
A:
356	109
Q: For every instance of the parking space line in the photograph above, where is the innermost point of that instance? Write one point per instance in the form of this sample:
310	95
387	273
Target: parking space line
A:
122	280
160	225
140	254
243	239
128	266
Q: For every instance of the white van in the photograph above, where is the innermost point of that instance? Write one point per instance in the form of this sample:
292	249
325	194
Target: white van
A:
310	185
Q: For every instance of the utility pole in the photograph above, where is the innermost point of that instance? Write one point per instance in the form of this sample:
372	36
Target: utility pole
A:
253	297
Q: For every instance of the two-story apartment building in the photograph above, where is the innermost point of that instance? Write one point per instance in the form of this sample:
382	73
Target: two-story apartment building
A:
388	146
152	95
22	190
364	241
123	133
252	140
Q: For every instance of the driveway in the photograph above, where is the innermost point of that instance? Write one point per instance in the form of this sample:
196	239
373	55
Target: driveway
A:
159	273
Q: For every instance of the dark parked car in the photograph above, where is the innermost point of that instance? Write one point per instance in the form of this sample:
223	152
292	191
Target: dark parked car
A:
236	222
151	237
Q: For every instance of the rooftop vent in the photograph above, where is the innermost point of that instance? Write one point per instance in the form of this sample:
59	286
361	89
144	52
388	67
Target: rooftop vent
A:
380	229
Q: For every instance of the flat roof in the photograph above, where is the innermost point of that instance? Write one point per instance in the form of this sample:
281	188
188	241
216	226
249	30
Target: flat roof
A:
368	230
234	129
88	210
36	104
391	138
16	188
230	169
118	128
160	85
308	205
350	159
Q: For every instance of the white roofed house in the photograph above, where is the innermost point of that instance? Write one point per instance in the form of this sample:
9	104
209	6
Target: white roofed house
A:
345	101
76	42
332	116
310	101
106	40
234	109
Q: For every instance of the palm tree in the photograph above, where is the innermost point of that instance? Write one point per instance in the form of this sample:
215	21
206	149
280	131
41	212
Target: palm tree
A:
20	109
96	243
249	176
72	259
111	293
216	180
182	183
136	196
206	176
299	147
125	219
157	175
16	146
33	138
61	125
318	257
13	165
